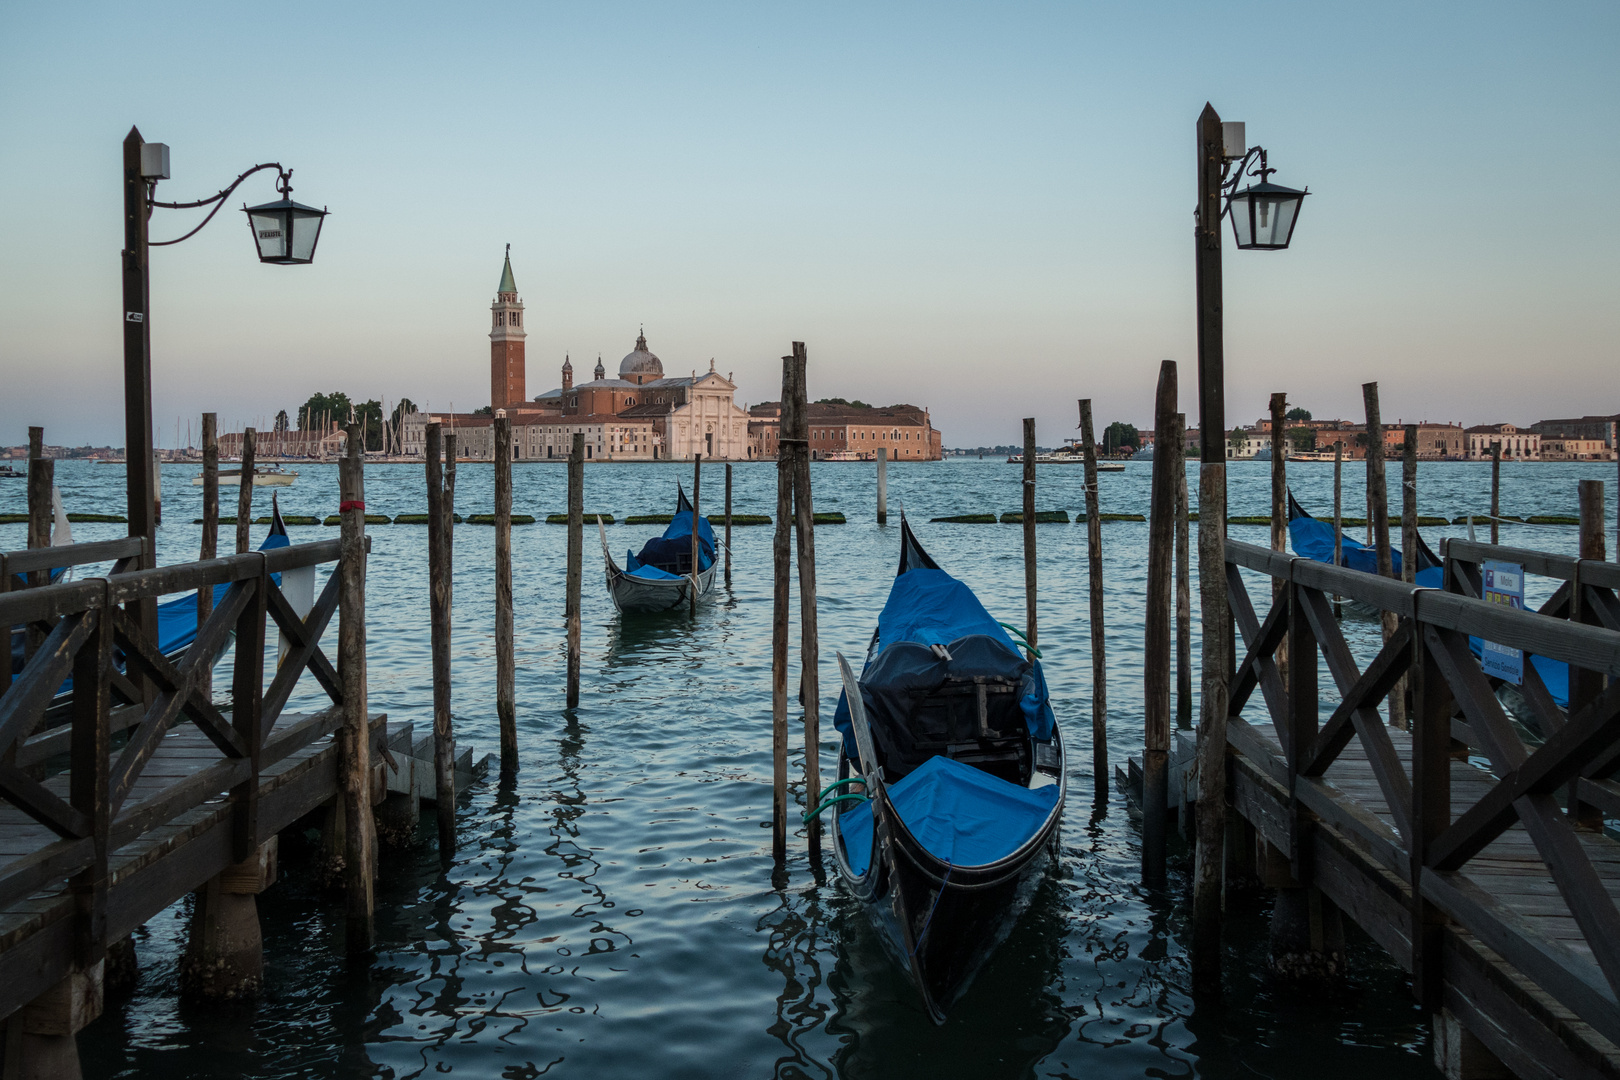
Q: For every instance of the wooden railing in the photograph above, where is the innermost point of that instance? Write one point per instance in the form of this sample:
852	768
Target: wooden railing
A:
89	631
1433	839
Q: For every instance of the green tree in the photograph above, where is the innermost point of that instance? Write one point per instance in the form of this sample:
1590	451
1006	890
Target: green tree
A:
405	407
1237	438
321	408
856	404
370	417
1302	438
1297	413
281	422
1120	434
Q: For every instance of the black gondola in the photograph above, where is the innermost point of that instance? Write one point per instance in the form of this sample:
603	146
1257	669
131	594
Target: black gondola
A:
951	779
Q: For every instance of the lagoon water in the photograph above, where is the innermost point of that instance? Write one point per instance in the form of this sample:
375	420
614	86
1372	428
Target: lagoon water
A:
614	913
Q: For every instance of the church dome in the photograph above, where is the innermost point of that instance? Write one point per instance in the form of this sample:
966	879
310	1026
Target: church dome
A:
641	362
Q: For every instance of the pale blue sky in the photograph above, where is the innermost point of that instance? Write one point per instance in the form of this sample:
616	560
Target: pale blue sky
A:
985	209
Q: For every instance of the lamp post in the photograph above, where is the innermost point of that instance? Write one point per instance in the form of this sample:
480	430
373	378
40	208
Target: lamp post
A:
1263	219
284	233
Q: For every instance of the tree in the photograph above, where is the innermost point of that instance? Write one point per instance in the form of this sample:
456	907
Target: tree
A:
369	416
1302	438
1237	439
1297	413
405	407
321	408
281	422
1120	434
856	404
484	410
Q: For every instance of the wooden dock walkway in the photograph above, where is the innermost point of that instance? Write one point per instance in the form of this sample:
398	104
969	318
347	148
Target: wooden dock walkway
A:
1472	849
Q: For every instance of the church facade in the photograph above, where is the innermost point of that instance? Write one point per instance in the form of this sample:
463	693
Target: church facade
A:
640	415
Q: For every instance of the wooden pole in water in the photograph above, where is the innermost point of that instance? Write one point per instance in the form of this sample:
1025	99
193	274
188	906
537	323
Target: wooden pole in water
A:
1029	533
809	646
244	494
41	477
1094	563
1338	514
1584	684
354	743
1409	529
439	625
1156	638
1279	511
787	444
728	524
576	554
210	528
883	485
1183	582
505	662
1378	498
157	487
697	495
1496	491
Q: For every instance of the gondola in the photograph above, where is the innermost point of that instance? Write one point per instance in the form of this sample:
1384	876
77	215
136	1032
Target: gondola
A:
1313	539
951	779
662	577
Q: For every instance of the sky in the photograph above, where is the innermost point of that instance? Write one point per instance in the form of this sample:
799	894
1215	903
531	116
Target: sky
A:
984	209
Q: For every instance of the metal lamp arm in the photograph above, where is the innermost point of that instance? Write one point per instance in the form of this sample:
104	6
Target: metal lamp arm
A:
283	185
1230	177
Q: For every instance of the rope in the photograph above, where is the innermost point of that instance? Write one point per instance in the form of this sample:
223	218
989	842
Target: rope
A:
805	817
1021	637
350	504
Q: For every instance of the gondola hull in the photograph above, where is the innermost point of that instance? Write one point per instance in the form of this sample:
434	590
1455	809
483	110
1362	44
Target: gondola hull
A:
633	594
941	923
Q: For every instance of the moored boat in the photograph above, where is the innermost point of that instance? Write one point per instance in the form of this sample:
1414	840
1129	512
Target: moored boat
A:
263	476
951	770
662	576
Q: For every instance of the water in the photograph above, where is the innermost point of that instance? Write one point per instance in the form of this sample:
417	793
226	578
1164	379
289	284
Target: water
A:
614	914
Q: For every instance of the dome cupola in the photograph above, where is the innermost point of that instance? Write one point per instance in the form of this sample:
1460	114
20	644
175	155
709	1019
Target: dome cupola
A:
641	366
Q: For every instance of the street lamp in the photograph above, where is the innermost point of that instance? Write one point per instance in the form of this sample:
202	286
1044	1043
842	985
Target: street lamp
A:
144	165
1263	214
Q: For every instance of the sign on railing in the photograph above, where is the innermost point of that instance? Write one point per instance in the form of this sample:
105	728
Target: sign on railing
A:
1504	584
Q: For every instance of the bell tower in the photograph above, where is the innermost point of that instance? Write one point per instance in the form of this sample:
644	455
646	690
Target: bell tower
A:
506	381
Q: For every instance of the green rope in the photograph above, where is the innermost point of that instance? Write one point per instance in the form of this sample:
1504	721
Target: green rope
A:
832	802
1022	638
830	788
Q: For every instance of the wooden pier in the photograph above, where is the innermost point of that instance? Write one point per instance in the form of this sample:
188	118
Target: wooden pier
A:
1471	848
131	787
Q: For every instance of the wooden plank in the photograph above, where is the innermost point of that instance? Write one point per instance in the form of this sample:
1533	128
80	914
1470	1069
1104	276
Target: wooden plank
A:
96	551
24	703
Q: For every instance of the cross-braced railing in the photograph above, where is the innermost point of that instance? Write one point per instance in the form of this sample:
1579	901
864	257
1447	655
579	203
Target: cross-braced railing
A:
1558	789
94	674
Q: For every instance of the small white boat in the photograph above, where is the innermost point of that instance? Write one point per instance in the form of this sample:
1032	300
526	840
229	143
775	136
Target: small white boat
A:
262	477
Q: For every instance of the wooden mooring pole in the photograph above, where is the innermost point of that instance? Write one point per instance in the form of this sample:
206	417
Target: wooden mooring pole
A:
728	524
439	625
1378	520
1156	643
1094	566
244	495
209	548
505	661
354	745
1338	515
1584	684
1030	628
697	497
41	478
1409	529
1279	510
883	485
1496	492
1183	583
781	557
576	554
809	647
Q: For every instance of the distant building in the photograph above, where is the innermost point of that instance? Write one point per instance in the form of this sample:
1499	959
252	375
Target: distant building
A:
851	432
1518	444
1601	428
1559	448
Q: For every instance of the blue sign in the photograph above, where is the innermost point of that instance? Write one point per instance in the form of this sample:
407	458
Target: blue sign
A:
1504	584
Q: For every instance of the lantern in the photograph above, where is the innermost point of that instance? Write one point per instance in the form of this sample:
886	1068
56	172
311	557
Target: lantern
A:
285	232
1264	215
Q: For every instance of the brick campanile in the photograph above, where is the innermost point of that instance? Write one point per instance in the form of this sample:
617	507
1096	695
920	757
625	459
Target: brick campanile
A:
506	383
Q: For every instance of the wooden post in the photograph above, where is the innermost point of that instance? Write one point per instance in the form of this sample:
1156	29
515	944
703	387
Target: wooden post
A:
697	496
809	646
1585	684
1431	813
1496	491
576	555
209	548
137	323
883	485
244	495
1378	500
1156	642
505	662
157	487
1029	533
1183	582
354	746
439	569
1094	563
1215	617
1338	515
1409	529
728	524
41	478
787	446
1279	512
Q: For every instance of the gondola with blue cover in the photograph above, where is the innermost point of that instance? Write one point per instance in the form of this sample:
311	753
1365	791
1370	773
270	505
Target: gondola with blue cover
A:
951	779
661	576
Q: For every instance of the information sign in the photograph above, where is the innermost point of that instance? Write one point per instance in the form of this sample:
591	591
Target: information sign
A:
1504	584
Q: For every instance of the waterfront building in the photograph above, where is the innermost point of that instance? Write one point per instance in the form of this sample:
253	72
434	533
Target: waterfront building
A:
852	432
1518	444
1561	448
1602	428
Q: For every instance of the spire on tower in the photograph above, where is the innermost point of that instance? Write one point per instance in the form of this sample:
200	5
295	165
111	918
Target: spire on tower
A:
601	372
508	284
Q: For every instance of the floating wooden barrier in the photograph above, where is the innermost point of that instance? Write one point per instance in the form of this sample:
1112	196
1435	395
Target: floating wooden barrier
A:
489	519
1042	517
371	519
422	519
77	519
562	519
965	519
